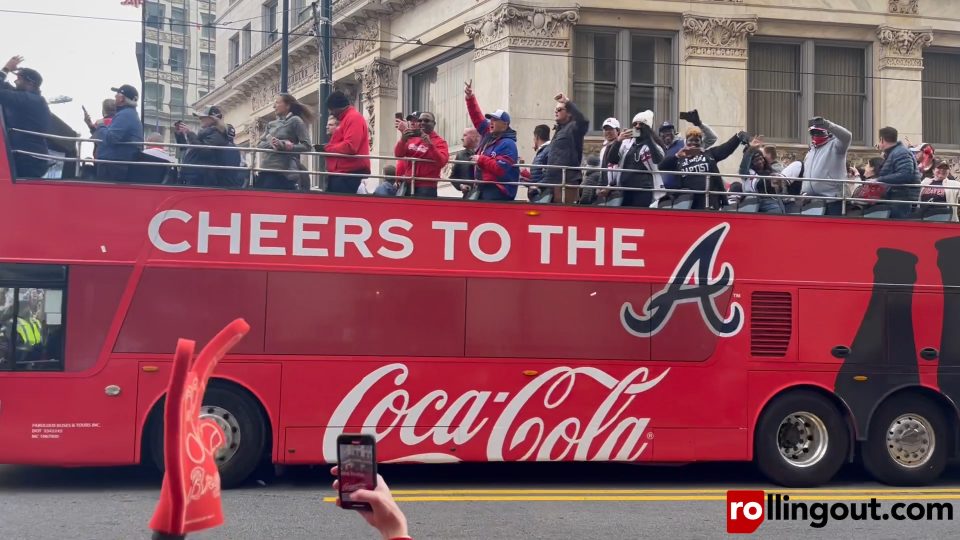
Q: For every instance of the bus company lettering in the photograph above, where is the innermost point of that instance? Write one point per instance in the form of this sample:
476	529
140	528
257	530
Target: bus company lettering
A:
516	432
178	231
693	281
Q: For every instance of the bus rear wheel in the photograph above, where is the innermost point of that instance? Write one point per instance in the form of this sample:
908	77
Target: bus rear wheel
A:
801	440
243	425
907	442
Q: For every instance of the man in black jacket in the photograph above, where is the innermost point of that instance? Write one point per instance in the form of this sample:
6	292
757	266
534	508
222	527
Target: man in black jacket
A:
24	108
213	133
465	171
566	148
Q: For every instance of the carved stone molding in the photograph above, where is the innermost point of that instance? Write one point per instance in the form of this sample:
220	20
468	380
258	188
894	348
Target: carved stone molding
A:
362	40
519	26
717	37
379	78
304	70
902	48
905	7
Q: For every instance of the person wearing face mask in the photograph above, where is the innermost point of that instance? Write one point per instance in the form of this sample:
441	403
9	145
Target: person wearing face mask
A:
497	153
424	143
826	159
637	153
941	188
693	158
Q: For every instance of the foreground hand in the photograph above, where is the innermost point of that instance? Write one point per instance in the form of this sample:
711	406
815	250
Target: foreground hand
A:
468	88
13	63
560	98
474	158
385	516
625	134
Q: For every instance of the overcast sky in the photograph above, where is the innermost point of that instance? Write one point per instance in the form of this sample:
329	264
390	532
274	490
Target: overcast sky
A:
80	58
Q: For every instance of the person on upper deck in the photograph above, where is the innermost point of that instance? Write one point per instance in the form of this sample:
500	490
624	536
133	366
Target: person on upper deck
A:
352	138
899	169
213	133
694	159
942	188
673	144
424	143
826	160
288	135
470	139
498	151
566	149
754	164
109	110
117	139
541	145
637	153
24	108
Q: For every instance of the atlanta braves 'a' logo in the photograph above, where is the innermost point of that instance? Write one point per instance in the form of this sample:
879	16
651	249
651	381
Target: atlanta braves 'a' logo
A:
691	281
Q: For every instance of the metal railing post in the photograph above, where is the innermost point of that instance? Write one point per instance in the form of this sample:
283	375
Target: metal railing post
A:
563	185
413	178
253	166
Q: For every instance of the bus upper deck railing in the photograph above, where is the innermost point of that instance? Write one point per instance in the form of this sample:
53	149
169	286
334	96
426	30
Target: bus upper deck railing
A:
847	200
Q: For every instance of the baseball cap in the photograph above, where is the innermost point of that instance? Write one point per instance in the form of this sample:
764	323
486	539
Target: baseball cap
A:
611	122
666	126
212	111
128	91
499	114
415	115
30	75
815	130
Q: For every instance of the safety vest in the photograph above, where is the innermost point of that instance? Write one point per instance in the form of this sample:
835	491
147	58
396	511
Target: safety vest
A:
29	331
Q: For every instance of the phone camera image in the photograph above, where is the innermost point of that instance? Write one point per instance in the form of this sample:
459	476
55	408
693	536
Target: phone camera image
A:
358	468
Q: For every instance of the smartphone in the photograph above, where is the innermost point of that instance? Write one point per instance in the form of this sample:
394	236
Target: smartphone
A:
398	116
84	110
685	116
357	464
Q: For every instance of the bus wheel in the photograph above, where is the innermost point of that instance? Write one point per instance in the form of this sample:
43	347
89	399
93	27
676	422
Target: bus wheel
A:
239	416
801	440
907	442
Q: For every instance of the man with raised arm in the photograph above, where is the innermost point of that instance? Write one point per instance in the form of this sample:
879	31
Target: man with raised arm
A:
566	149
497	154
827	159
24	108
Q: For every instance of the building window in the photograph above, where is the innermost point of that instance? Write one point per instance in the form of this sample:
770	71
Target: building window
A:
618	73
32	317
178	102
155	12
178	60
438	88
247	42
208	64
788	83
270	31
234	51
152	96
299	12
178	21
152	53
207	20
941	98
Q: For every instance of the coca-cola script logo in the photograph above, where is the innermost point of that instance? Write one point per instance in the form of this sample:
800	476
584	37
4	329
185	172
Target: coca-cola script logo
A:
693	281
532	425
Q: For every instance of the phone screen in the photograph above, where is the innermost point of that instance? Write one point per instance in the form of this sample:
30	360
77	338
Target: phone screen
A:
358	468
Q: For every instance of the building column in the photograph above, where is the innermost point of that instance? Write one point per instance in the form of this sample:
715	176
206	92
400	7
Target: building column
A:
379	81
899	87
713	76
522	84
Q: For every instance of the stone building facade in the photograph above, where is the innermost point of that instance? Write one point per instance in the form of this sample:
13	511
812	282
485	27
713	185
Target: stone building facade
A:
759	65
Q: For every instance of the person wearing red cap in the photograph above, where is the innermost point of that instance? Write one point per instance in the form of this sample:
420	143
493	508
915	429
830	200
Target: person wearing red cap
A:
24	108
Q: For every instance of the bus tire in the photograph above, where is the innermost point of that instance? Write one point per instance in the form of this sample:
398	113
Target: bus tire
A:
907	442
801	440
240	417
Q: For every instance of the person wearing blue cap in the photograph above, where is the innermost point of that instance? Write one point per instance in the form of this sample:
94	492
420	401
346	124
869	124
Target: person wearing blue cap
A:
24	108
497	154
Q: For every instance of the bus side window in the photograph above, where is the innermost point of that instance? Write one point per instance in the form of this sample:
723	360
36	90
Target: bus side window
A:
32	317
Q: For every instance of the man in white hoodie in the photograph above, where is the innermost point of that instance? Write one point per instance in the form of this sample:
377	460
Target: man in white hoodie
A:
637	153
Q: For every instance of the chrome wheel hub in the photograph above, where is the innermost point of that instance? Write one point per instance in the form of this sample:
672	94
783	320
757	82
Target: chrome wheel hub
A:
231	431
911	440
802	439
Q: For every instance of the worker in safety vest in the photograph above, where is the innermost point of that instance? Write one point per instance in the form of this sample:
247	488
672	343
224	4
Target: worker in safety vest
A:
30	331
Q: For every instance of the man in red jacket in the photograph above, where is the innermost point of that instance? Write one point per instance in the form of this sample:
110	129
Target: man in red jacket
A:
424	143
351	138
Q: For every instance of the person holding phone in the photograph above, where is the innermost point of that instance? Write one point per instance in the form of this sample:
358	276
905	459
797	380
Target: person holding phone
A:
108	109
424	143
384	514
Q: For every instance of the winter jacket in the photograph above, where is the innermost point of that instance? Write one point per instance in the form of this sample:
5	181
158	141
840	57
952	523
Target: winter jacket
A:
751	184
934	190
27	111
213	136
437	152
540	158
704	162
498	155
352	137
566	148
124	129
900	167
709	139
638	159
827	161
463	171
289	128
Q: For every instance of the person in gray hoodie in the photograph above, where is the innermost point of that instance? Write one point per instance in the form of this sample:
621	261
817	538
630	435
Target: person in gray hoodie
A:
288	135
827	159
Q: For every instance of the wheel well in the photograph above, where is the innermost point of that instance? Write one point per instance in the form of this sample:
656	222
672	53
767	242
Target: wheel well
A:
938	399
830	397
156	413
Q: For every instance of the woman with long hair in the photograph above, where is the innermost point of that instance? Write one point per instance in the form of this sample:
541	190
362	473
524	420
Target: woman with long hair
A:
289	136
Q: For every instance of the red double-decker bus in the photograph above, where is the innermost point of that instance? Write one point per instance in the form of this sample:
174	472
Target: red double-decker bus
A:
463	331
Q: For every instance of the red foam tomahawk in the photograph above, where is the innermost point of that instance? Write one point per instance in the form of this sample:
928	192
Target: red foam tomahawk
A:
190	495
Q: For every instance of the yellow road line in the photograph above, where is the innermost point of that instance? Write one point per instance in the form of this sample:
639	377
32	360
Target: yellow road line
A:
644	498
788	491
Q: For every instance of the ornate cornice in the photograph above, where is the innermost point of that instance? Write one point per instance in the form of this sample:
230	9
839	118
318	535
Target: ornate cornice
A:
518	26
902	48
905	7
362	40
717	37
379	78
